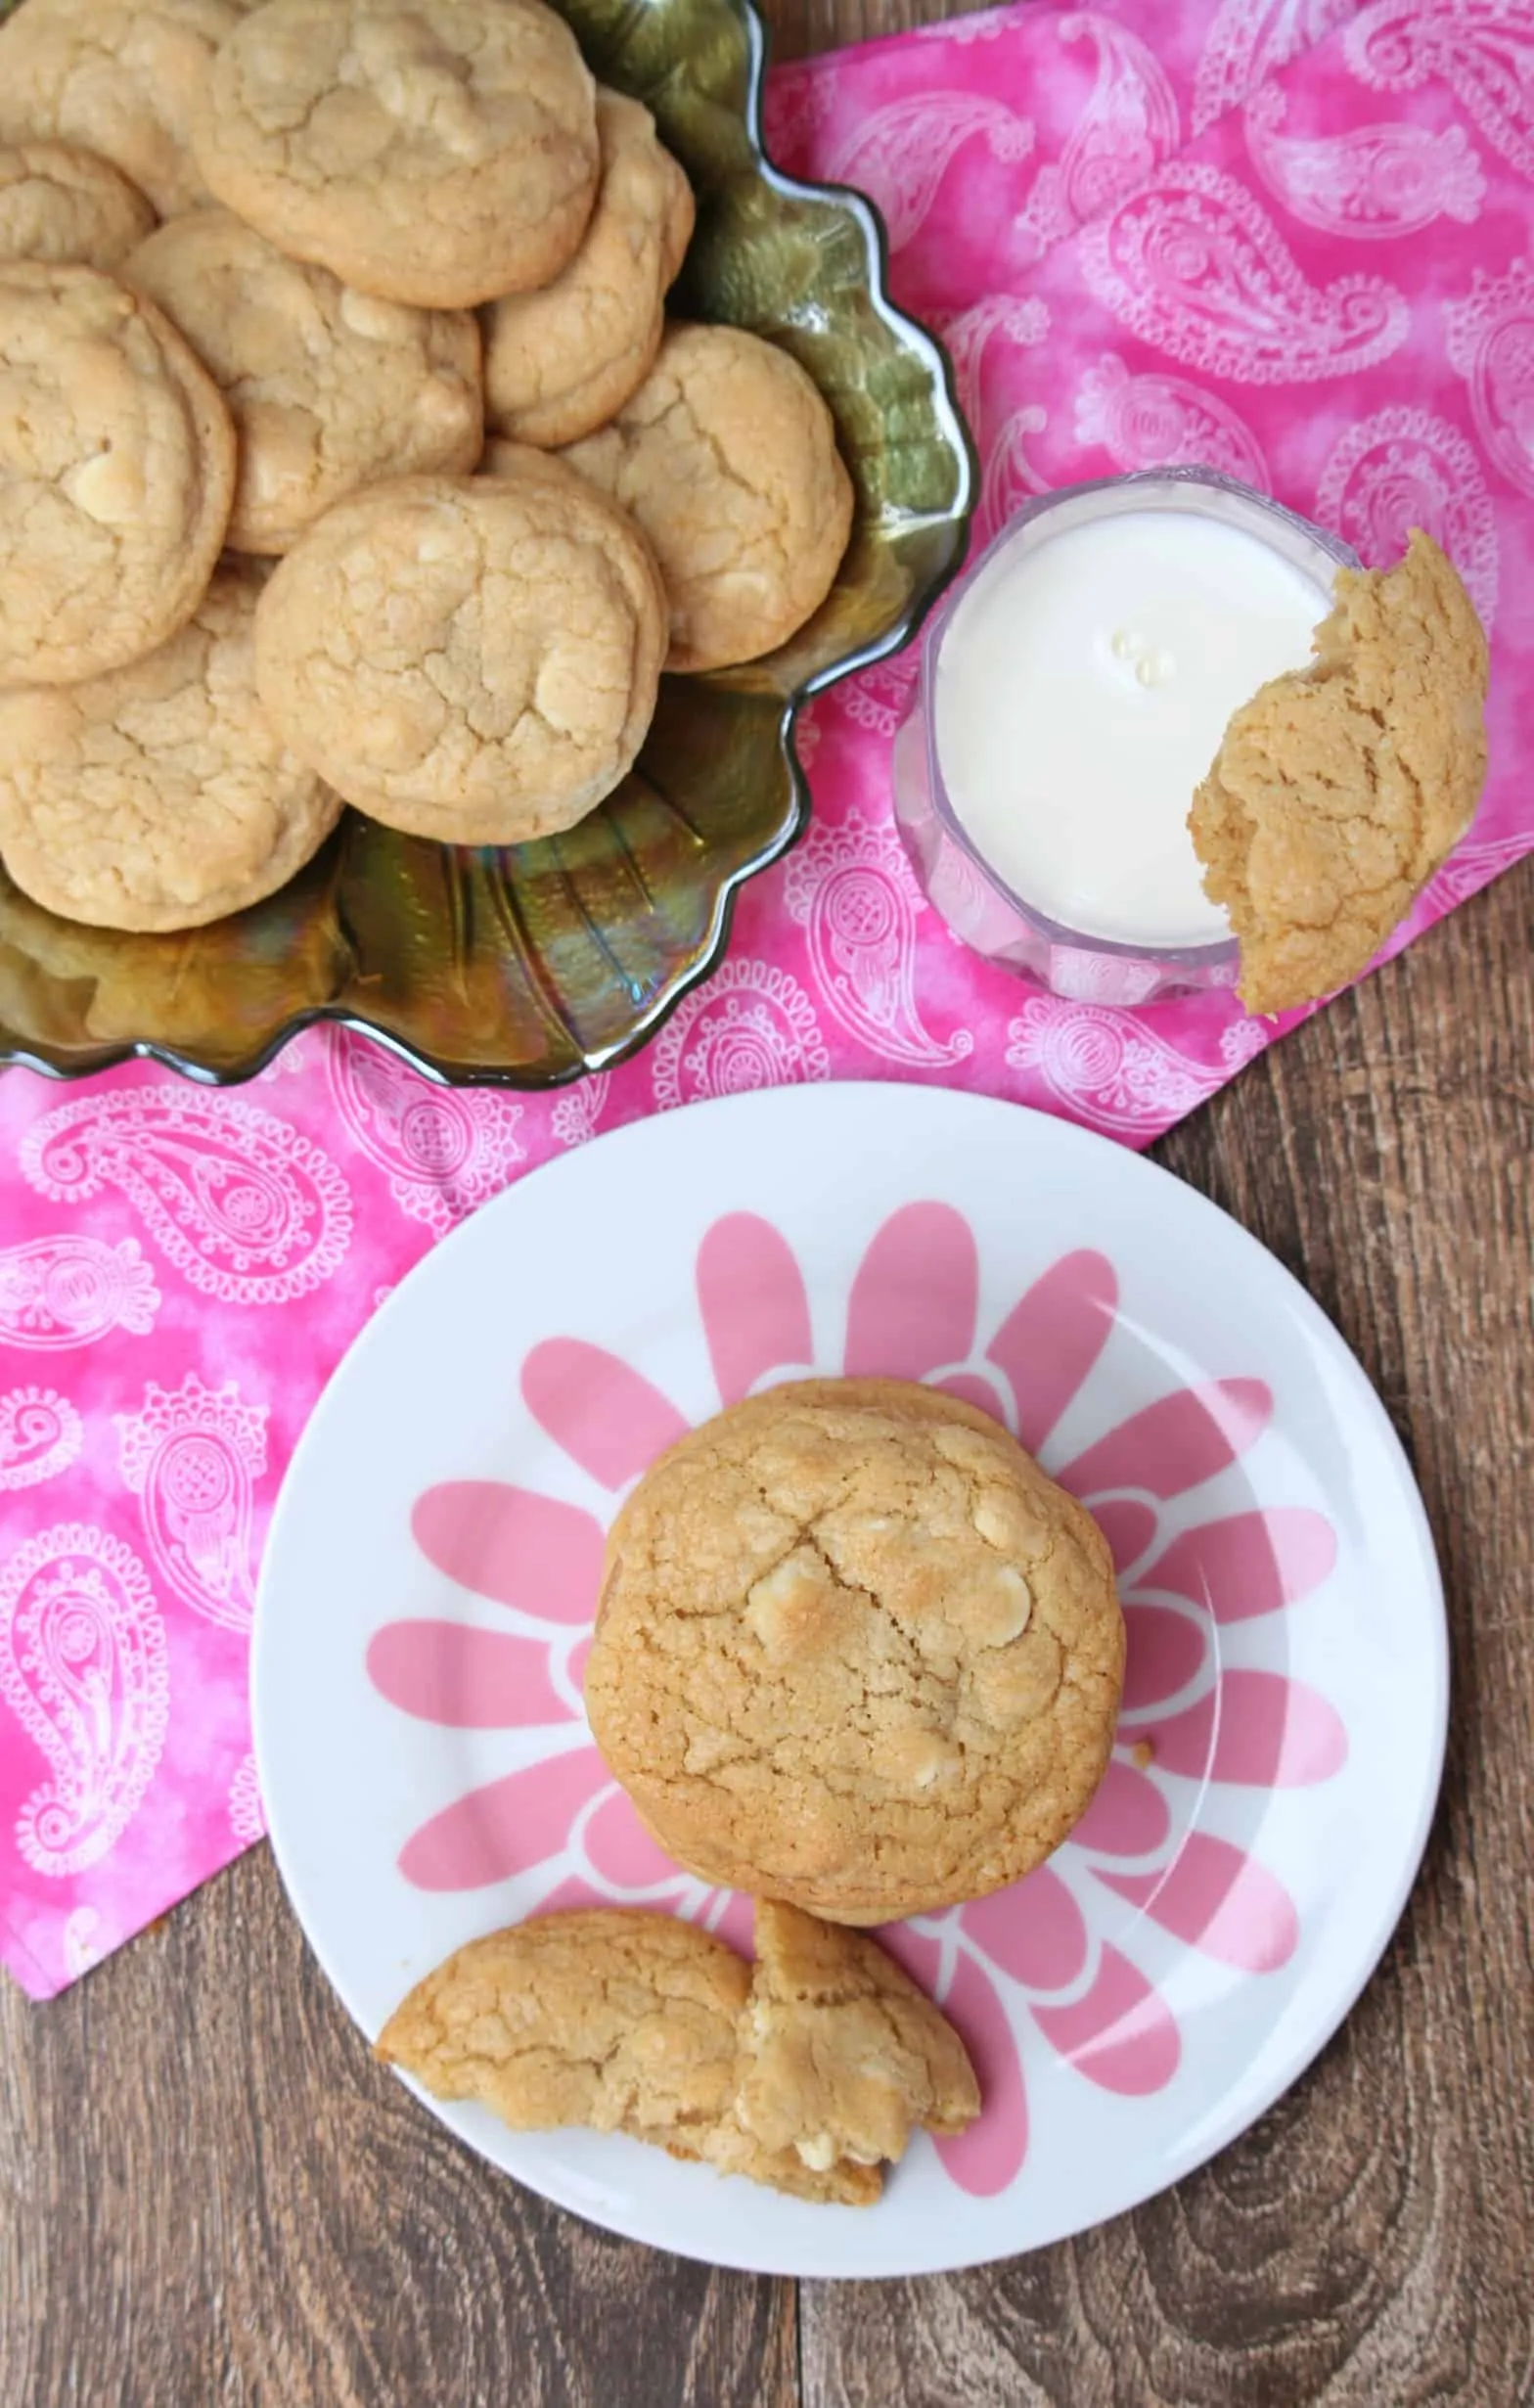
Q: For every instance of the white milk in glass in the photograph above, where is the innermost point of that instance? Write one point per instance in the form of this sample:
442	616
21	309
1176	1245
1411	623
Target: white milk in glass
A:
1083	688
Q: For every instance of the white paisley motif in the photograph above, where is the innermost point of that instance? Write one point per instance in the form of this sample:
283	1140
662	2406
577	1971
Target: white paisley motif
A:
1109	1068
1010	477
578	1108
879	700
247	1814
1019	317
900	155
445	1149
65	1291
1249	40
82	1668
1472	867
1483	49
191	1457
246	1208
1128	126
1491	345
1405	467
1152	421
1371	183
851	888
752	1026
40	1434
1193	264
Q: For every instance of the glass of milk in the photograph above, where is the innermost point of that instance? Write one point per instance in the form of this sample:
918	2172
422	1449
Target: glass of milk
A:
1075	690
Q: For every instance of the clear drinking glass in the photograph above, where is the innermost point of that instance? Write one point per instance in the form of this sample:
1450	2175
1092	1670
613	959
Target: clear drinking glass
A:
971	896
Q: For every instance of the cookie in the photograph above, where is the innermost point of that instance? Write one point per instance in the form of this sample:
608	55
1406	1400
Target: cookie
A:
439	151
124	79
1340	789
599	2016
474	660
156	796
842	2056
855	1651
557	363
501	457
58	203
727	458
117	473
329	389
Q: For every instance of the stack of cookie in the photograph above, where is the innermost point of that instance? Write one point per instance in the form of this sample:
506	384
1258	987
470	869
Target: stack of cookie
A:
391	227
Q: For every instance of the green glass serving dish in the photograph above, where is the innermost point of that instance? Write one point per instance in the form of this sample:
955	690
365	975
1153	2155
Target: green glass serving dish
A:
528	965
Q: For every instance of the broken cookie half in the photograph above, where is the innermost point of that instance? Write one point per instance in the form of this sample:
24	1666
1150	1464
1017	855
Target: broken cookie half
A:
1340	788
805	2072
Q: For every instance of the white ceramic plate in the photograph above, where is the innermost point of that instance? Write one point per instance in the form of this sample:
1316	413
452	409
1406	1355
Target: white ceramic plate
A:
430	1573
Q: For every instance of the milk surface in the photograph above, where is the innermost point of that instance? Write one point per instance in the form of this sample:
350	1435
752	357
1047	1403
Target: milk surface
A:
1083	688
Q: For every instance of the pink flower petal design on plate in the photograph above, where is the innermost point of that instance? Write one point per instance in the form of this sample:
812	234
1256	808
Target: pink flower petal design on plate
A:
972	1389
505	1827
1128	1816
1220	1900
572	1892
1247	1563
986	2159
750	1292
512	1545
607	1416
1051	1339
622	1850
1121	2035
576	1667
916	1296
1128	1527
1033	1929
1176	1443
1166	1650
1257	1730
920	1952
467	1680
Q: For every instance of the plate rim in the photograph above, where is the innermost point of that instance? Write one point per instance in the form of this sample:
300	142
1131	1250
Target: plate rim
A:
1294	2061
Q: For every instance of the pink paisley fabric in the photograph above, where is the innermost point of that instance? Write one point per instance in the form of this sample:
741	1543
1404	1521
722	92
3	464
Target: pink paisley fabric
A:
1293	237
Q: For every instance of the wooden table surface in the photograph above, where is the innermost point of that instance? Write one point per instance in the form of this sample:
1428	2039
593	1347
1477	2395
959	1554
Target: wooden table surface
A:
210	2197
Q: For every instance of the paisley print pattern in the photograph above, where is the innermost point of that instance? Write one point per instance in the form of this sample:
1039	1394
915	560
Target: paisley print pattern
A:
247	1209
1370	184
65	1291
192	1459
444	1150
1405	467
1152	421
1129	126
82	1669
1193	265
1483	49
853	890
1491	345
40	1434
1140	228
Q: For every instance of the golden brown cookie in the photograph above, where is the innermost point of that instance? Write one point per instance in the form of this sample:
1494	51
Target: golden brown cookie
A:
329	389
559	362
841	2053
116	472
1340	789
855	1651
600	2016
439	151
156	796
125	78
502	457
474	660
60	203
727	458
